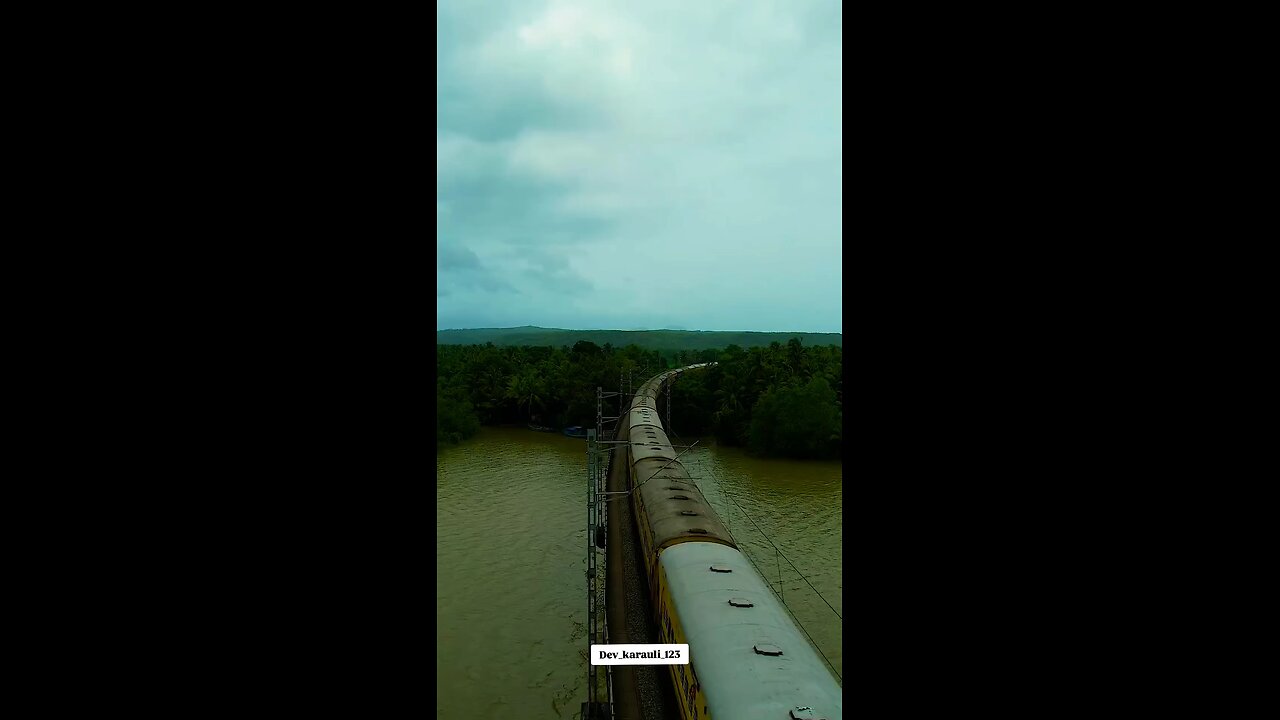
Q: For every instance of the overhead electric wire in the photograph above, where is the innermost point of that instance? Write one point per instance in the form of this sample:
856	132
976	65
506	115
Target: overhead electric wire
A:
784	555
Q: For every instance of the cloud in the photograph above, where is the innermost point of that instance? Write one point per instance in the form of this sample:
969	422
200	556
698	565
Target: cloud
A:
586	148
456	258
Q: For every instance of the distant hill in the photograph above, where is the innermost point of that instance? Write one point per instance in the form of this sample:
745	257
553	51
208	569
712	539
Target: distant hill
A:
647	339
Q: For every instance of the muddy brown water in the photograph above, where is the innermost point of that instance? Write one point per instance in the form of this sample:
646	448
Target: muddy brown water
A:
510	561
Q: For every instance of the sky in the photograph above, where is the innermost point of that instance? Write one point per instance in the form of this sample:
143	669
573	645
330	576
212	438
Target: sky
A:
639	165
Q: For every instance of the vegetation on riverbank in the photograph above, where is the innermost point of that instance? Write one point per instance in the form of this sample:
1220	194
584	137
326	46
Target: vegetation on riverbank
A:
779	400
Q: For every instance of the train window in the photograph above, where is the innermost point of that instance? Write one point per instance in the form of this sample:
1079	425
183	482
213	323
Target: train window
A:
721	568
741	602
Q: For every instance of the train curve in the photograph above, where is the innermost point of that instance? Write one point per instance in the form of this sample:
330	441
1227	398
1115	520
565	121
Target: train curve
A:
748	659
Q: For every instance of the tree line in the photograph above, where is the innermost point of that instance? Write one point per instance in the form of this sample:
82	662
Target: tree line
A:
664	340
780	400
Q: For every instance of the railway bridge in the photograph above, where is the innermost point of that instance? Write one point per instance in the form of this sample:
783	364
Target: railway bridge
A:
667	560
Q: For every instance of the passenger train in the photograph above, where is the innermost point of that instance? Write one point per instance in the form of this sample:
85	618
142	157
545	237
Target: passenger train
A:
747	658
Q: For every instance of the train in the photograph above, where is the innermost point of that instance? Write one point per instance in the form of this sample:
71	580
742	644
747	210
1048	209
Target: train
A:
747	658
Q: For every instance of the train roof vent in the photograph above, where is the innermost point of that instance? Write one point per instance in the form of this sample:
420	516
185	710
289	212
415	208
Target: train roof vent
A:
679	497
688	512
741	602
721	568
676	488
803	713
699	531
768	649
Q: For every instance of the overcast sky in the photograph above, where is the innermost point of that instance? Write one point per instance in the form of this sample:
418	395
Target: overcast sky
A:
639	165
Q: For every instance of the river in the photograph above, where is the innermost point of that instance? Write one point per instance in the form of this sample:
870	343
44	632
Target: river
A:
510	562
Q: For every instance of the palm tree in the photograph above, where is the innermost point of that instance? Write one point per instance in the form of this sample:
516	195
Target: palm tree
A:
526	390
796	358
492	389
729	401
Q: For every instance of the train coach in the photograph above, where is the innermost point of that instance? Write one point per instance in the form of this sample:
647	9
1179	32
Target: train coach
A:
747	658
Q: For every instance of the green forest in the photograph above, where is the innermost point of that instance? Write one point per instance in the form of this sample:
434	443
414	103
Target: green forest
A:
670	340
782	400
